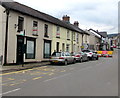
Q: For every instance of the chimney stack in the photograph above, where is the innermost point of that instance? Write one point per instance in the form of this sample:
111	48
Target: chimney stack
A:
66	18
76	23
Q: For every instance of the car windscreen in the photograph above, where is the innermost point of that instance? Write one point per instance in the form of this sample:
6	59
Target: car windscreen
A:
56	54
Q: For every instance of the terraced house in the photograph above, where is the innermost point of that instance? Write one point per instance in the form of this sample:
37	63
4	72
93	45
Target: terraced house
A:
28	35
67	37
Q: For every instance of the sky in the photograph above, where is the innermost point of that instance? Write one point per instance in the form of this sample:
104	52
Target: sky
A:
101	15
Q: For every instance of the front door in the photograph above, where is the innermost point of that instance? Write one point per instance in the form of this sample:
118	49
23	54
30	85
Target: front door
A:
20	46
57	47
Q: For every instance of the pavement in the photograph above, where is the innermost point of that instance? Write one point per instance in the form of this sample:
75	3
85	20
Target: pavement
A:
9	68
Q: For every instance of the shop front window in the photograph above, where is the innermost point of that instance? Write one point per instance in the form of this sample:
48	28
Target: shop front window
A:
30	49
47	49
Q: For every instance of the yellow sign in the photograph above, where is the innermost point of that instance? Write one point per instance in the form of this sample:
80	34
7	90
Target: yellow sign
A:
82	46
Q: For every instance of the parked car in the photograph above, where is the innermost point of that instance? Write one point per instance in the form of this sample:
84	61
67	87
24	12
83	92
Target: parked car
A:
91	54
62	57
80	57
84	56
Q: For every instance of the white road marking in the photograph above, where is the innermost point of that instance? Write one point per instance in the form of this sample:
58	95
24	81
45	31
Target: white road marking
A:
10	91
57	77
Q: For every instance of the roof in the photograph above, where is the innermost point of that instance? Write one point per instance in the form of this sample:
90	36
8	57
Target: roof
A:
112	35
103	34
15	6
95	33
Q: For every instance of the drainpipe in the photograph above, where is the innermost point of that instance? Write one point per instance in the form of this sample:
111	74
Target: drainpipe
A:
6	36
82	41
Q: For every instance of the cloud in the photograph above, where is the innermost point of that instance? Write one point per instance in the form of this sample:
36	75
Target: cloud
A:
101	14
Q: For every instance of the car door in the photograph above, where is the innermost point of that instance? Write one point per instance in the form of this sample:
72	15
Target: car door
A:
70	58
83	56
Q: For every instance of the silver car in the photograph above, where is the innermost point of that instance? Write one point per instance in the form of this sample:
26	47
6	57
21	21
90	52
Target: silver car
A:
80	57
62	57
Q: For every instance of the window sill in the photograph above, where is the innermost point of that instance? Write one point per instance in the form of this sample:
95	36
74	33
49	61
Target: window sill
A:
29	58
46	36
35	34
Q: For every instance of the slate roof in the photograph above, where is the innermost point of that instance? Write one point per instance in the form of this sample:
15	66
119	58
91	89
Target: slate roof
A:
112	35
103	34
15	6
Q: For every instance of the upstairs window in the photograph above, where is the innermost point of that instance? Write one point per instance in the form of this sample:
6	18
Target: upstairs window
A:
68	35
77	38
58	32
73	36
35	28
46	30
20	23
67	47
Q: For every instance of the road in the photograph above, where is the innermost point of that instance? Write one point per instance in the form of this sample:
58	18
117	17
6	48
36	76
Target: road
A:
93	78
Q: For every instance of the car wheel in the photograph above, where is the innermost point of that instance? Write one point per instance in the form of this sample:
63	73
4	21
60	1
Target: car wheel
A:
52	63
74	61
87	59
66	62
94	58
81	60
97	58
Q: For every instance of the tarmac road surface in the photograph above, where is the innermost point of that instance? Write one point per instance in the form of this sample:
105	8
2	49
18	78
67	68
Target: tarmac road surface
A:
93	78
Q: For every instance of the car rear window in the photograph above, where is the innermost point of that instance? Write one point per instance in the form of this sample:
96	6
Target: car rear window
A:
86	51
56	54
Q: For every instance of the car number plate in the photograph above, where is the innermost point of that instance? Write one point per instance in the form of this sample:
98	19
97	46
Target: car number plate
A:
55	61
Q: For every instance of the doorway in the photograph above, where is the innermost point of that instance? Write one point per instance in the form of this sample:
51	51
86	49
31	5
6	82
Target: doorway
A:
20	49
57	47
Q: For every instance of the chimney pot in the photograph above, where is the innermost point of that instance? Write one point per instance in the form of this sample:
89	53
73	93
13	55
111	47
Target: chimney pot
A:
76	23
66	18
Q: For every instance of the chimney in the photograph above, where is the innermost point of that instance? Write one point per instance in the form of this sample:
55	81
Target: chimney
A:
66	18
76	23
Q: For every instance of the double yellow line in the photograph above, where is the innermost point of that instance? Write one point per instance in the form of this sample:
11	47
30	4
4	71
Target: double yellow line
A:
15	72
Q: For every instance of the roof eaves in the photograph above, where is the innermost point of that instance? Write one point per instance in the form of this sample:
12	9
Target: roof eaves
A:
15	6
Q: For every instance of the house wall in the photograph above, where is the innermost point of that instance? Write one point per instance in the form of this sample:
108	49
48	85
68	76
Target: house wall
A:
92	41
73	45
2	32
1	35
61	40
28	27
84	38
